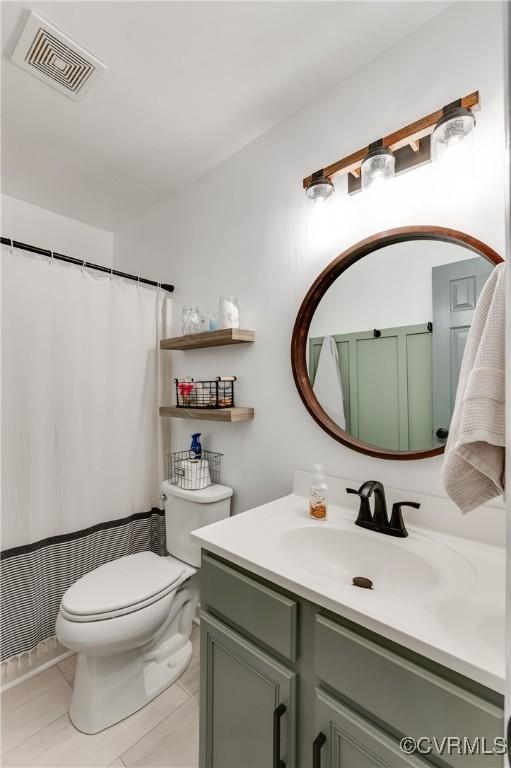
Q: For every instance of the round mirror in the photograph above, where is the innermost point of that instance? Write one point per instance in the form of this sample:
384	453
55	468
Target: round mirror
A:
379	339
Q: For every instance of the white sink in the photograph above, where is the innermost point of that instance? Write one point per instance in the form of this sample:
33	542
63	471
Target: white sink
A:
439	595
405	567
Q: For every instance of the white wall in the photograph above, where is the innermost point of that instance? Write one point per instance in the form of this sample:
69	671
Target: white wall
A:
389	288
37	226
246	228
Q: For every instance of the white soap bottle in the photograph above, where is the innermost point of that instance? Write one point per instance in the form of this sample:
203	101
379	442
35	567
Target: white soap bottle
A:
318	502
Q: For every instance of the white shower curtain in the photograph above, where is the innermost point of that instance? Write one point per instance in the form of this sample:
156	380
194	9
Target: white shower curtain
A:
81	438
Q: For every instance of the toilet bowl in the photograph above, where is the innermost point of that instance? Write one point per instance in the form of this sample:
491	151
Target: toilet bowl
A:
130	620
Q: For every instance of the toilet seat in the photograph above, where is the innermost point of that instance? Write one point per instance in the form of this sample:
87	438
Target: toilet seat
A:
123	586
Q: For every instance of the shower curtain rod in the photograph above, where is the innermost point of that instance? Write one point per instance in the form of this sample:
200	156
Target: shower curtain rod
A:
80	263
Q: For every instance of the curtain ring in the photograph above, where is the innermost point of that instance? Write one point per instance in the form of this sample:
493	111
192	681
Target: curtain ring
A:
51	258
83	264
111	272
11	246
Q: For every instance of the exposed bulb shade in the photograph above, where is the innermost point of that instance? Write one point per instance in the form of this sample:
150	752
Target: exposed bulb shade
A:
454	125
319	189
377	167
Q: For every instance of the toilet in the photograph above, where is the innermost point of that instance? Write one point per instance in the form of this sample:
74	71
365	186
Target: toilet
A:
130	620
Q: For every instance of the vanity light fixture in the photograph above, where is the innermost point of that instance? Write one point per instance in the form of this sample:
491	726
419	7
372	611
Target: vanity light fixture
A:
456	123
378	166
319	188
409	147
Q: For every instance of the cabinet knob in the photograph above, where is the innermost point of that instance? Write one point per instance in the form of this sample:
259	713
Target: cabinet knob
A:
442	433
278	713
317	744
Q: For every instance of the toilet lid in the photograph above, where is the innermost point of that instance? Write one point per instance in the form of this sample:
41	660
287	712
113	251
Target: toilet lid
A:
123	583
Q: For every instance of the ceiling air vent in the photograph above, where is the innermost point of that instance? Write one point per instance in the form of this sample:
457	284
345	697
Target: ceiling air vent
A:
55	59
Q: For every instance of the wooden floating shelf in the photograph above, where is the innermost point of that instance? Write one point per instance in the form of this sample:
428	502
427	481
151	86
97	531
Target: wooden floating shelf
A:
209	339
208	414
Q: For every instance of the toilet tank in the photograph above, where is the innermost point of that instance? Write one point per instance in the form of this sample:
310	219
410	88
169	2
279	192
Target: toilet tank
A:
187	510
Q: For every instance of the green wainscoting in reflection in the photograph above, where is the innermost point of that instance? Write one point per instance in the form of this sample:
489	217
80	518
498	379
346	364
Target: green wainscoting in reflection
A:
387	385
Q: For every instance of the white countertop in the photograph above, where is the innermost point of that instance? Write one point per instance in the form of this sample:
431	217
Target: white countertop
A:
459	623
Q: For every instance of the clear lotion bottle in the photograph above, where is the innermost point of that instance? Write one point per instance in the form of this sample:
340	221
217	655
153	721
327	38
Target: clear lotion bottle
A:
318	501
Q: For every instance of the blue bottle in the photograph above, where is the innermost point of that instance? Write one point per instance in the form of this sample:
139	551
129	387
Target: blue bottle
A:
196	447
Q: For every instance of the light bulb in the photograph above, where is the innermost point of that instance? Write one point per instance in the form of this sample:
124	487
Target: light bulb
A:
453	127
378	167
319	189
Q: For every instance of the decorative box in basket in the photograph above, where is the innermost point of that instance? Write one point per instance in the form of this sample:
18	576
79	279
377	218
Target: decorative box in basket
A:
193	474
217	393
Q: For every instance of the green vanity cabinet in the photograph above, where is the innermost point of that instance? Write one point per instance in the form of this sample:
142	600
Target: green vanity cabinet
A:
242	689
348	691
266	616
351	741
416	699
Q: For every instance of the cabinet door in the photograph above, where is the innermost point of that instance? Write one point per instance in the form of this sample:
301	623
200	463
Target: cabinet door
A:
353	742
241	689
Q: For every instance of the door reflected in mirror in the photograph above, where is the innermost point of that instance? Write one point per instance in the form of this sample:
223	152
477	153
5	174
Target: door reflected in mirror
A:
386	342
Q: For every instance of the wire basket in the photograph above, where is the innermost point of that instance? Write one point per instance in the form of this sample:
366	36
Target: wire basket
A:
193	474
217	393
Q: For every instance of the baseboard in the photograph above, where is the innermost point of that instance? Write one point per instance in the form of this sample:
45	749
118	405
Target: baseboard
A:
17	669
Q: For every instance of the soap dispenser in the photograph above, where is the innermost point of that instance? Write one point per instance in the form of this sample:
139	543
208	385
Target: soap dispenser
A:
318	504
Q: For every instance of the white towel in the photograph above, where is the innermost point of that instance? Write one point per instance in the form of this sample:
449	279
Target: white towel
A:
328	384
473	470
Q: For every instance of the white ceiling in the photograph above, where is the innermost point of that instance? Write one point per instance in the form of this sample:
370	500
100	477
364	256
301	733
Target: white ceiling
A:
188	84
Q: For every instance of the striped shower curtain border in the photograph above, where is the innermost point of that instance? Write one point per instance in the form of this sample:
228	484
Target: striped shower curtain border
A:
35	576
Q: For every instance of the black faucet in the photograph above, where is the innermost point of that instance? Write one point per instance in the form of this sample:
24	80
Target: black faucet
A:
379	521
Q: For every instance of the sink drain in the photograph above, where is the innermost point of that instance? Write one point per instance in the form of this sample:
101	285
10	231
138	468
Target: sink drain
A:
362	582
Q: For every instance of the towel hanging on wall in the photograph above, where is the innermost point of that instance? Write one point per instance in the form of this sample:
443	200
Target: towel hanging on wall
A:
328	383
473	470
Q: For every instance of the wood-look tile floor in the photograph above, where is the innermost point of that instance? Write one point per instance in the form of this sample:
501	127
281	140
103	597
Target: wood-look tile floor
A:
36	729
